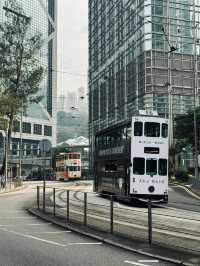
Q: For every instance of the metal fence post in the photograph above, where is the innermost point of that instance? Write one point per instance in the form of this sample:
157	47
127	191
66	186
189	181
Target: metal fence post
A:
85	208
54	201
44	198
149	222
38	197
67	205
111	214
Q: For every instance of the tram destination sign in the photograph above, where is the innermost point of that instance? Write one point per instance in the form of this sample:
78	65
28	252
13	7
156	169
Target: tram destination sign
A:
110	151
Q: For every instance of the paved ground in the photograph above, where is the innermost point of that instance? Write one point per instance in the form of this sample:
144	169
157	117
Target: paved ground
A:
180	199
26	240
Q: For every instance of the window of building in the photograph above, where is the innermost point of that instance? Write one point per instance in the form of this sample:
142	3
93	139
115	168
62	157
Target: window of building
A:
26	127
37	129
16	126
48	131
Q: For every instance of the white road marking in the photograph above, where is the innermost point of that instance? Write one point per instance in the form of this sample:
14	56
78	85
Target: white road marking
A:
38	224
135	263
149	261
33	237
17	217
85	243
58	232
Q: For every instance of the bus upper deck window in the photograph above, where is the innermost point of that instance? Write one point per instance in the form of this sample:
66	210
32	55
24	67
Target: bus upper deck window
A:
138	129
151	167
164	130
138	166
152	129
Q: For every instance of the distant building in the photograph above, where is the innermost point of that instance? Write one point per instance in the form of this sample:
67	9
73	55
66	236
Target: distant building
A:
134	46
61	106
39	122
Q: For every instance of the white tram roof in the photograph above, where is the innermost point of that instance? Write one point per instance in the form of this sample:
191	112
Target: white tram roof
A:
146	113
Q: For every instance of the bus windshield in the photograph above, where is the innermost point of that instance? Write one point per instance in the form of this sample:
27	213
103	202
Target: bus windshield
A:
152	129
151	167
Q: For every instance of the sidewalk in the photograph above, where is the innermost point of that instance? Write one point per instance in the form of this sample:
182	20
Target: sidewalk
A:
167	253
10	187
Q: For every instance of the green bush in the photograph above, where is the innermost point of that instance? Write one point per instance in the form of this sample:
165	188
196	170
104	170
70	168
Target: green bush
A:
181	176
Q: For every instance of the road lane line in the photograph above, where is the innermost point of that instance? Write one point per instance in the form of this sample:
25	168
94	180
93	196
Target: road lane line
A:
33	237
85	243
149	261
134	263
58	232
38	224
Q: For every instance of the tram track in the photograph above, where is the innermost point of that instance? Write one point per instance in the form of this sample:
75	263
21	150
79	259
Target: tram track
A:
128	216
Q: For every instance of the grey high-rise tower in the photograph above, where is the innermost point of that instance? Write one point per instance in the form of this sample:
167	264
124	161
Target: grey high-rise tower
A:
40	119
141	56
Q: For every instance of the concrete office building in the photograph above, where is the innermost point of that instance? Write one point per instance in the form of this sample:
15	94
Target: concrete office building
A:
141	56
39	122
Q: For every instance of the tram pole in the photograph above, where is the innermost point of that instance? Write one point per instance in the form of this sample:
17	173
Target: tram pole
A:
111	214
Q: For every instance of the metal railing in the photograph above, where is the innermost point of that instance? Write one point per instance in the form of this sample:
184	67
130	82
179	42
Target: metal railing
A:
149	222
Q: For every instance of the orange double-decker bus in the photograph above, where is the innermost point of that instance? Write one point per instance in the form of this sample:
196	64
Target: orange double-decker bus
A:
68	166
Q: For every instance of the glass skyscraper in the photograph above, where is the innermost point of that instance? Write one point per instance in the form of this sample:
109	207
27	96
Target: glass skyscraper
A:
39	122
140	52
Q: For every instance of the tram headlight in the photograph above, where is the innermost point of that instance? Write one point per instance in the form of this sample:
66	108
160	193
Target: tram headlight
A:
151	189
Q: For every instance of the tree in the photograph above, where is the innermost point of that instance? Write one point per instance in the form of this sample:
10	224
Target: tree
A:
21	72
184	132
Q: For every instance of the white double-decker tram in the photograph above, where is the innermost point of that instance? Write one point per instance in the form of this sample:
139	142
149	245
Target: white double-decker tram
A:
131	158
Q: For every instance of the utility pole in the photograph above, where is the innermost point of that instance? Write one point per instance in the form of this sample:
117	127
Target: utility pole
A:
20	148
195	91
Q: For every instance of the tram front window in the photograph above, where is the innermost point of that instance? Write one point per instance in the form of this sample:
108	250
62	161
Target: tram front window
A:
152	129
138	166
151	167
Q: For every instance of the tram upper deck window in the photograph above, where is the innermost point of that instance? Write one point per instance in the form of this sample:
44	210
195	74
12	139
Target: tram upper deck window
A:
162	169
164	130
138	166
152	129
151	167
138	126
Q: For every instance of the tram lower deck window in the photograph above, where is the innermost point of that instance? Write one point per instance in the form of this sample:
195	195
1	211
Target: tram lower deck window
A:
151	167
162	169
138	166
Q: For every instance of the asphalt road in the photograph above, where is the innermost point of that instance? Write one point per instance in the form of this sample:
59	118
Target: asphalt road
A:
180	199
27	240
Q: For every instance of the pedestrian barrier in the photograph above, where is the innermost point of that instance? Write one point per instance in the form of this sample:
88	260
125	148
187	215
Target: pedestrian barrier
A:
149	222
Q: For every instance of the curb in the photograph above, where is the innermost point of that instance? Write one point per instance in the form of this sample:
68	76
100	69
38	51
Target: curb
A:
106	240
188	190
3	193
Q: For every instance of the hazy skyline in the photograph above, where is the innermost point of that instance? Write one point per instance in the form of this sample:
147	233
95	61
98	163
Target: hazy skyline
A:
72	45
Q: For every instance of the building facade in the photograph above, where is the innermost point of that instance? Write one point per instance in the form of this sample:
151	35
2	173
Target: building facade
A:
142	55
39	121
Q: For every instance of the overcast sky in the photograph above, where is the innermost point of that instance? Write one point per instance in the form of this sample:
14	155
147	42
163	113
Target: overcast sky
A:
72	44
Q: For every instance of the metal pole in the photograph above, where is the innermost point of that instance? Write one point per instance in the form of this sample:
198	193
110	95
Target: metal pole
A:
149	222
68	205
111	214
38	197
54	201
44	196
6	156
85	208
195	93
20	149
